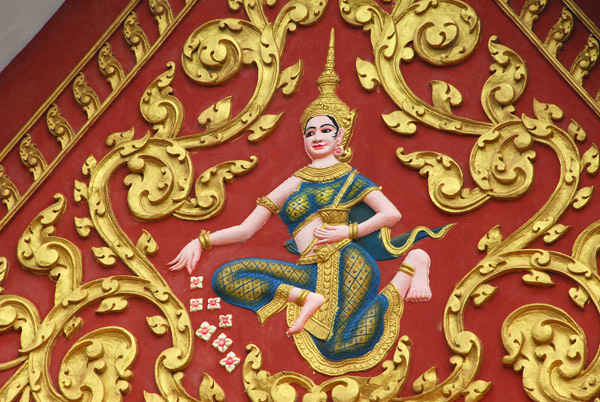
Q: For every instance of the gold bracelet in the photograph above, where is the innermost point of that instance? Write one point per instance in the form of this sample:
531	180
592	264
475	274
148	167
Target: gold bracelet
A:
407	268
204	238
267	203
301	298
353	227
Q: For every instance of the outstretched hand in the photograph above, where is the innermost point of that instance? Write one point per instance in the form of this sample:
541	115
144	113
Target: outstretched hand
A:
331	234
187	258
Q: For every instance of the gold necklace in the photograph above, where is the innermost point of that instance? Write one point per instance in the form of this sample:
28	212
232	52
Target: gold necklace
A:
322	175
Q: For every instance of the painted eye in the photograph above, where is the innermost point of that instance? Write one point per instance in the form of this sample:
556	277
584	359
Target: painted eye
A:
309	134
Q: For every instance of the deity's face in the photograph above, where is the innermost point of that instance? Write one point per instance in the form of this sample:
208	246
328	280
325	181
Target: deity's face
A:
321	136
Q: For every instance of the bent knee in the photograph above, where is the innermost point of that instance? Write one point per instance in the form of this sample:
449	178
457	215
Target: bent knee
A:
418	256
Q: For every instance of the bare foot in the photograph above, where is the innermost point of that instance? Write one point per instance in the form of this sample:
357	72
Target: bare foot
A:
419	286
311	305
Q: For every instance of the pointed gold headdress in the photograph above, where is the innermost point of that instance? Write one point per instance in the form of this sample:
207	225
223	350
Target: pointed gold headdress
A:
329	104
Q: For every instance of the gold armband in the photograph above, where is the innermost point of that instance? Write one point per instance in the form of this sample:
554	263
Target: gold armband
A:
353	227
267	203
407	268
204	238
301	298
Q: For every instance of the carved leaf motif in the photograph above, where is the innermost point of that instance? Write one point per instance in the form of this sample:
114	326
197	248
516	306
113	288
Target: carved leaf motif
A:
547	112
158	324
426	381
446	186
41	252
80	191
579	296
85	96
263	127
477	390
506	85
400	122
72	327
444	96
88	166
483	294
367	74
289	81
147	244
490	265
135	37
110	67
586	60
531	11
582	197
98	365
117	139
492	239
537	278
160	107
115	304
210	189
210	390
31	157
555	233
58	126
539	336
9	194
576	131
591	160
161	9
559	33
216	115
105	256
84	227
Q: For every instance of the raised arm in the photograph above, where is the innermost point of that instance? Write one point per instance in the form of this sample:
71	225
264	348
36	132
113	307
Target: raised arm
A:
189	256
386	215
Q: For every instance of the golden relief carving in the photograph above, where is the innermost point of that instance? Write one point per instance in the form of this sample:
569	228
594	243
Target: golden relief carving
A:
161	9
85	96
586	60
59	127
110	67
531	11
135	37
9	194
560	33
31	157
161	179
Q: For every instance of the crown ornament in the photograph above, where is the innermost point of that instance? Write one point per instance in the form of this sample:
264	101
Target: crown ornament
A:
329	104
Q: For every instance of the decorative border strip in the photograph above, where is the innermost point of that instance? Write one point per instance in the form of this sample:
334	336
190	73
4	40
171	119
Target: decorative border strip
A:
537	42
119	21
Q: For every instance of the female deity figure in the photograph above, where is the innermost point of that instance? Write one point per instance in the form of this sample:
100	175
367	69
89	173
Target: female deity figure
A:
339	222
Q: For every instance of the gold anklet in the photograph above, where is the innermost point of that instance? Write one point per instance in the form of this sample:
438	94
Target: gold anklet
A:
301	298
407	268
204	238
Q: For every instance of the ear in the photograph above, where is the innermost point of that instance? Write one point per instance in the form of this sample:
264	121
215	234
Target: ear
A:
340	136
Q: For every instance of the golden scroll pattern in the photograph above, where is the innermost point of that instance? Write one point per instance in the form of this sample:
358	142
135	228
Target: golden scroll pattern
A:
161	180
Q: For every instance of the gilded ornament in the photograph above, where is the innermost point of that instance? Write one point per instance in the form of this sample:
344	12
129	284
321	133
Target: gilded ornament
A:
84	227
559	33
212	55
147	244
85	96
32	157
9	194
4	265
582	197
89	165
210	189
161	108
531	11
576	131
586	60
58	126
135	37
110	67
161	9
99	364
